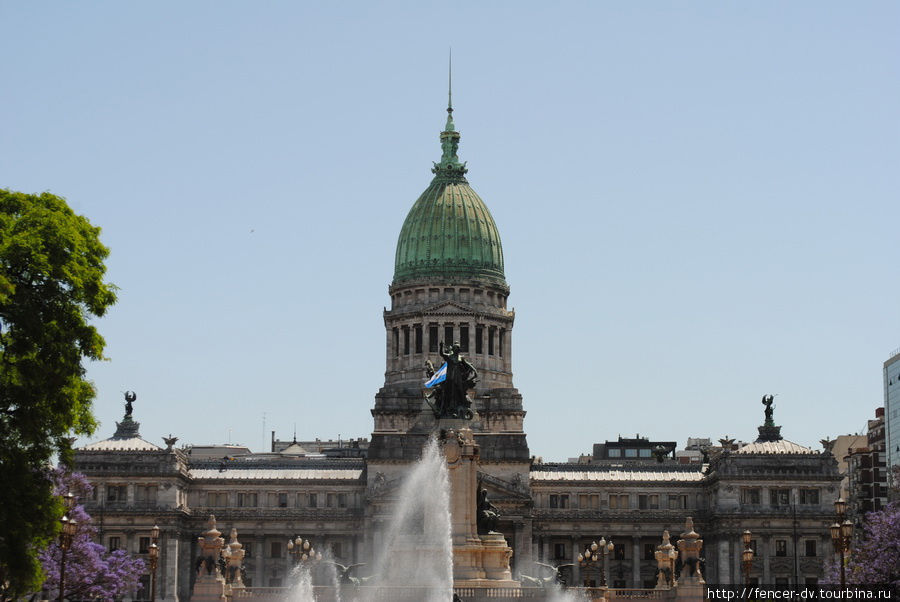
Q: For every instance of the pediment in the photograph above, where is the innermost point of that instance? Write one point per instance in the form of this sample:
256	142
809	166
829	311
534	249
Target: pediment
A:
448	308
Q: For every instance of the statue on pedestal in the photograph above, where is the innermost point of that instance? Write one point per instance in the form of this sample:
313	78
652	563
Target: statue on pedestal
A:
487	513
450	384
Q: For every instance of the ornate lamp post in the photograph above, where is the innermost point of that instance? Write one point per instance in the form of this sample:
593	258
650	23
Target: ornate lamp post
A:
841	535
154	559
302	550
66	535
589	557
747	556
596	553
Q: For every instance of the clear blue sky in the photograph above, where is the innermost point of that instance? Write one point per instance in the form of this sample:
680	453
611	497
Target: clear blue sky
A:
698	202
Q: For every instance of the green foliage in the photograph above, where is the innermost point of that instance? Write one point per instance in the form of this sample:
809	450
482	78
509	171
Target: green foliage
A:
51	285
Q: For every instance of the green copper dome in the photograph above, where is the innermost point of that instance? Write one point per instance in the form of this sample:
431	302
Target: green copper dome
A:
449	232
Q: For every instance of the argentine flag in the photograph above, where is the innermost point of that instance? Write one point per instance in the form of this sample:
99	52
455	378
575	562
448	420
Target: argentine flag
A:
439	376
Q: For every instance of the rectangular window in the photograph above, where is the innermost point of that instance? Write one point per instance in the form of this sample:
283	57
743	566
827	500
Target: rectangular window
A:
559	551
595	502
564	501
619	551
448	335
216	499
114	544
501	342
143	592
143	545
780	497
313	499
750	496
811	547
781	547
554	501
479	339
643	504
464	338
406	340
282	500
275	549
342	500
396	342
336	549
614	453
677	502
247	500
418	331
649	551
809	497
619	502
145	494
433	338
116	493
631	453
644	453
491	331
583	500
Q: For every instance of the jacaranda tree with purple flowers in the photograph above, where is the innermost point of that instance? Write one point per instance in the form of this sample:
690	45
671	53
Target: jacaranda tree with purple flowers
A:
92	573
875	556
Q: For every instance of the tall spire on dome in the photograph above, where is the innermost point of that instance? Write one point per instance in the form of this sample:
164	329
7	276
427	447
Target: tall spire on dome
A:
450	127
450	168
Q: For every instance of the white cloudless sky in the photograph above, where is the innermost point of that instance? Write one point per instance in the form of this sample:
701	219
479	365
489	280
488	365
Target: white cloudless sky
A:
697	201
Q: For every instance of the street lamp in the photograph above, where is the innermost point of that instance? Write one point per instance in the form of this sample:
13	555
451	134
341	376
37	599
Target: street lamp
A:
596	553
302	550
747	556
66	536
841	535
589	557
154	559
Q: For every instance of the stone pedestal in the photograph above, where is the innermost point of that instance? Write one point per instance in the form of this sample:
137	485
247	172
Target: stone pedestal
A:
210	584
690	586
478	560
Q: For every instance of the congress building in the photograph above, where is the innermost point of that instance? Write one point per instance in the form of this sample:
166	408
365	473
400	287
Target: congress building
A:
449	285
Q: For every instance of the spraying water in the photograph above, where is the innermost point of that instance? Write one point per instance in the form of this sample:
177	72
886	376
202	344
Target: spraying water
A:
417	546
417	555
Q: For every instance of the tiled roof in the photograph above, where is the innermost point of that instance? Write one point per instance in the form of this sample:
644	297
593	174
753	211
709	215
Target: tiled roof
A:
129	444
615	474
311	474
781	446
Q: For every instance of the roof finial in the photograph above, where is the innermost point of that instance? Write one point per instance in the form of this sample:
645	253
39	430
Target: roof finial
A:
449	127
450	82
450	167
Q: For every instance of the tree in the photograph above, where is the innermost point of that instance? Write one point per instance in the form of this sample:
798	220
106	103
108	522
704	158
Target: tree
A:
92	573
51	286
875	556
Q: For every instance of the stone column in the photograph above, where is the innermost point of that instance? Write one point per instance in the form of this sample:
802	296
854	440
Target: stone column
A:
167	576
576	569
723	564
767	575
259	551
636	562
525	549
